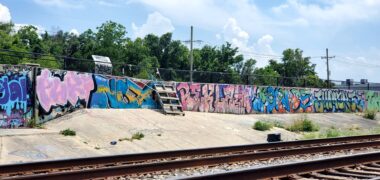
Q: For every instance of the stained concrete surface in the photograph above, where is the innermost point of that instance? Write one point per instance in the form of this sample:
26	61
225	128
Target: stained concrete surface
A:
96	128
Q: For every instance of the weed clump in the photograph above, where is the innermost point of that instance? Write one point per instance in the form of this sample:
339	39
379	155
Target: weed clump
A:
370	114
303	125
135	136
68	132
262	126
333	132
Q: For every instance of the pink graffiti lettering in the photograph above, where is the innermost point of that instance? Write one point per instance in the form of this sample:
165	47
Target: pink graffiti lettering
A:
51	90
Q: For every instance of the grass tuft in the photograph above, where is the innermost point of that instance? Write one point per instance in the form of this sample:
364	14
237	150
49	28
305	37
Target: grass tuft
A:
68	132
135	136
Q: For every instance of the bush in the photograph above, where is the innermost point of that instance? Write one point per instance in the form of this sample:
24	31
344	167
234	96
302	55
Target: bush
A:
68	132
370	114
262	126
304	125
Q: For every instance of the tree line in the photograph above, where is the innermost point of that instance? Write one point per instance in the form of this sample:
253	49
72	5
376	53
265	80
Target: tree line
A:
143	57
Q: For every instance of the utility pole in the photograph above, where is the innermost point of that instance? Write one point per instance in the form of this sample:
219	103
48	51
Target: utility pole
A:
191	41
191	54
327	64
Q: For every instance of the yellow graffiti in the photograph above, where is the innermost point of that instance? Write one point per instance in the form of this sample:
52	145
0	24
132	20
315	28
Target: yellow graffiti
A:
134	94
103	89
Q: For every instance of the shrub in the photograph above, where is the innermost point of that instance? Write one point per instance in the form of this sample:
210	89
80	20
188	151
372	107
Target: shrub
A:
370	114
262	126
33	124
68	132
304	125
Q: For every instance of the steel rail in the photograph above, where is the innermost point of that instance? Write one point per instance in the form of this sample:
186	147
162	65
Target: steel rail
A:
168	165
77	162
292	168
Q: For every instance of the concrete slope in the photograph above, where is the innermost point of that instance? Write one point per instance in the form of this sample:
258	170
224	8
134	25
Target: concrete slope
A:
96	128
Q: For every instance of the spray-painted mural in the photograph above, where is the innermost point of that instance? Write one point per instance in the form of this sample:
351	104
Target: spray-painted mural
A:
15	103
61	91
253	99
57	92
121	93
373	100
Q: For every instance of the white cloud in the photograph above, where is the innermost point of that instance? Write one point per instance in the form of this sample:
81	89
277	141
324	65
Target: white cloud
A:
264	45
261	50
69	4
156	24
204	14
5	15
40	29
280	8
75	32
114	3
330	12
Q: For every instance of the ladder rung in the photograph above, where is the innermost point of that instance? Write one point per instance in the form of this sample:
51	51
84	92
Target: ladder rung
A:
174	112
173	105
171	98
166	91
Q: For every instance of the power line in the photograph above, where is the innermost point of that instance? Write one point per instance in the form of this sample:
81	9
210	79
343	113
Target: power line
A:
354	61
358	63
2	51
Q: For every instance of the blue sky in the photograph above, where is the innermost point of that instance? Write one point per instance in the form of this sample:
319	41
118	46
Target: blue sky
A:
349	28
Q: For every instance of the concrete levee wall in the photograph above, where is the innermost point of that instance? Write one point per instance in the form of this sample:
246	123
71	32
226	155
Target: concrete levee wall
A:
59	92
43	94
245	99
16	102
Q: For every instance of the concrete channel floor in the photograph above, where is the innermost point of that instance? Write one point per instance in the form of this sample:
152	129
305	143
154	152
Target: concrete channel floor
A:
96	128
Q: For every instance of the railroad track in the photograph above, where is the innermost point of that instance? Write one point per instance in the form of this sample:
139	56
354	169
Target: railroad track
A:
360	166
121	165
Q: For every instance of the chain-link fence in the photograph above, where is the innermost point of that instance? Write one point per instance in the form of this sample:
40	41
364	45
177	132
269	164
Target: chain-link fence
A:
169	74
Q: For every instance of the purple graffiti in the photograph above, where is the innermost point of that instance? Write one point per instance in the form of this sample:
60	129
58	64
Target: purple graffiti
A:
52	91
13	94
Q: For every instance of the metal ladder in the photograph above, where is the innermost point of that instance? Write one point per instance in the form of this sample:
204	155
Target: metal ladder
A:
168	98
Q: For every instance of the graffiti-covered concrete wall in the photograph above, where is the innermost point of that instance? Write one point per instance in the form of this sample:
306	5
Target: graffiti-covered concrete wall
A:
60	92
44	94
15	97
242	99
121	93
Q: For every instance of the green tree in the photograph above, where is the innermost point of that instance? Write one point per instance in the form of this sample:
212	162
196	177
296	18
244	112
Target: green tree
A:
295	68
266	76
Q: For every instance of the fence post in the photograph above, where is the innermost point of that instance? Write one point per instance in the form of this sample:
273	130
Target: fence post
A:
34	89
304	82
368	86
277	79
